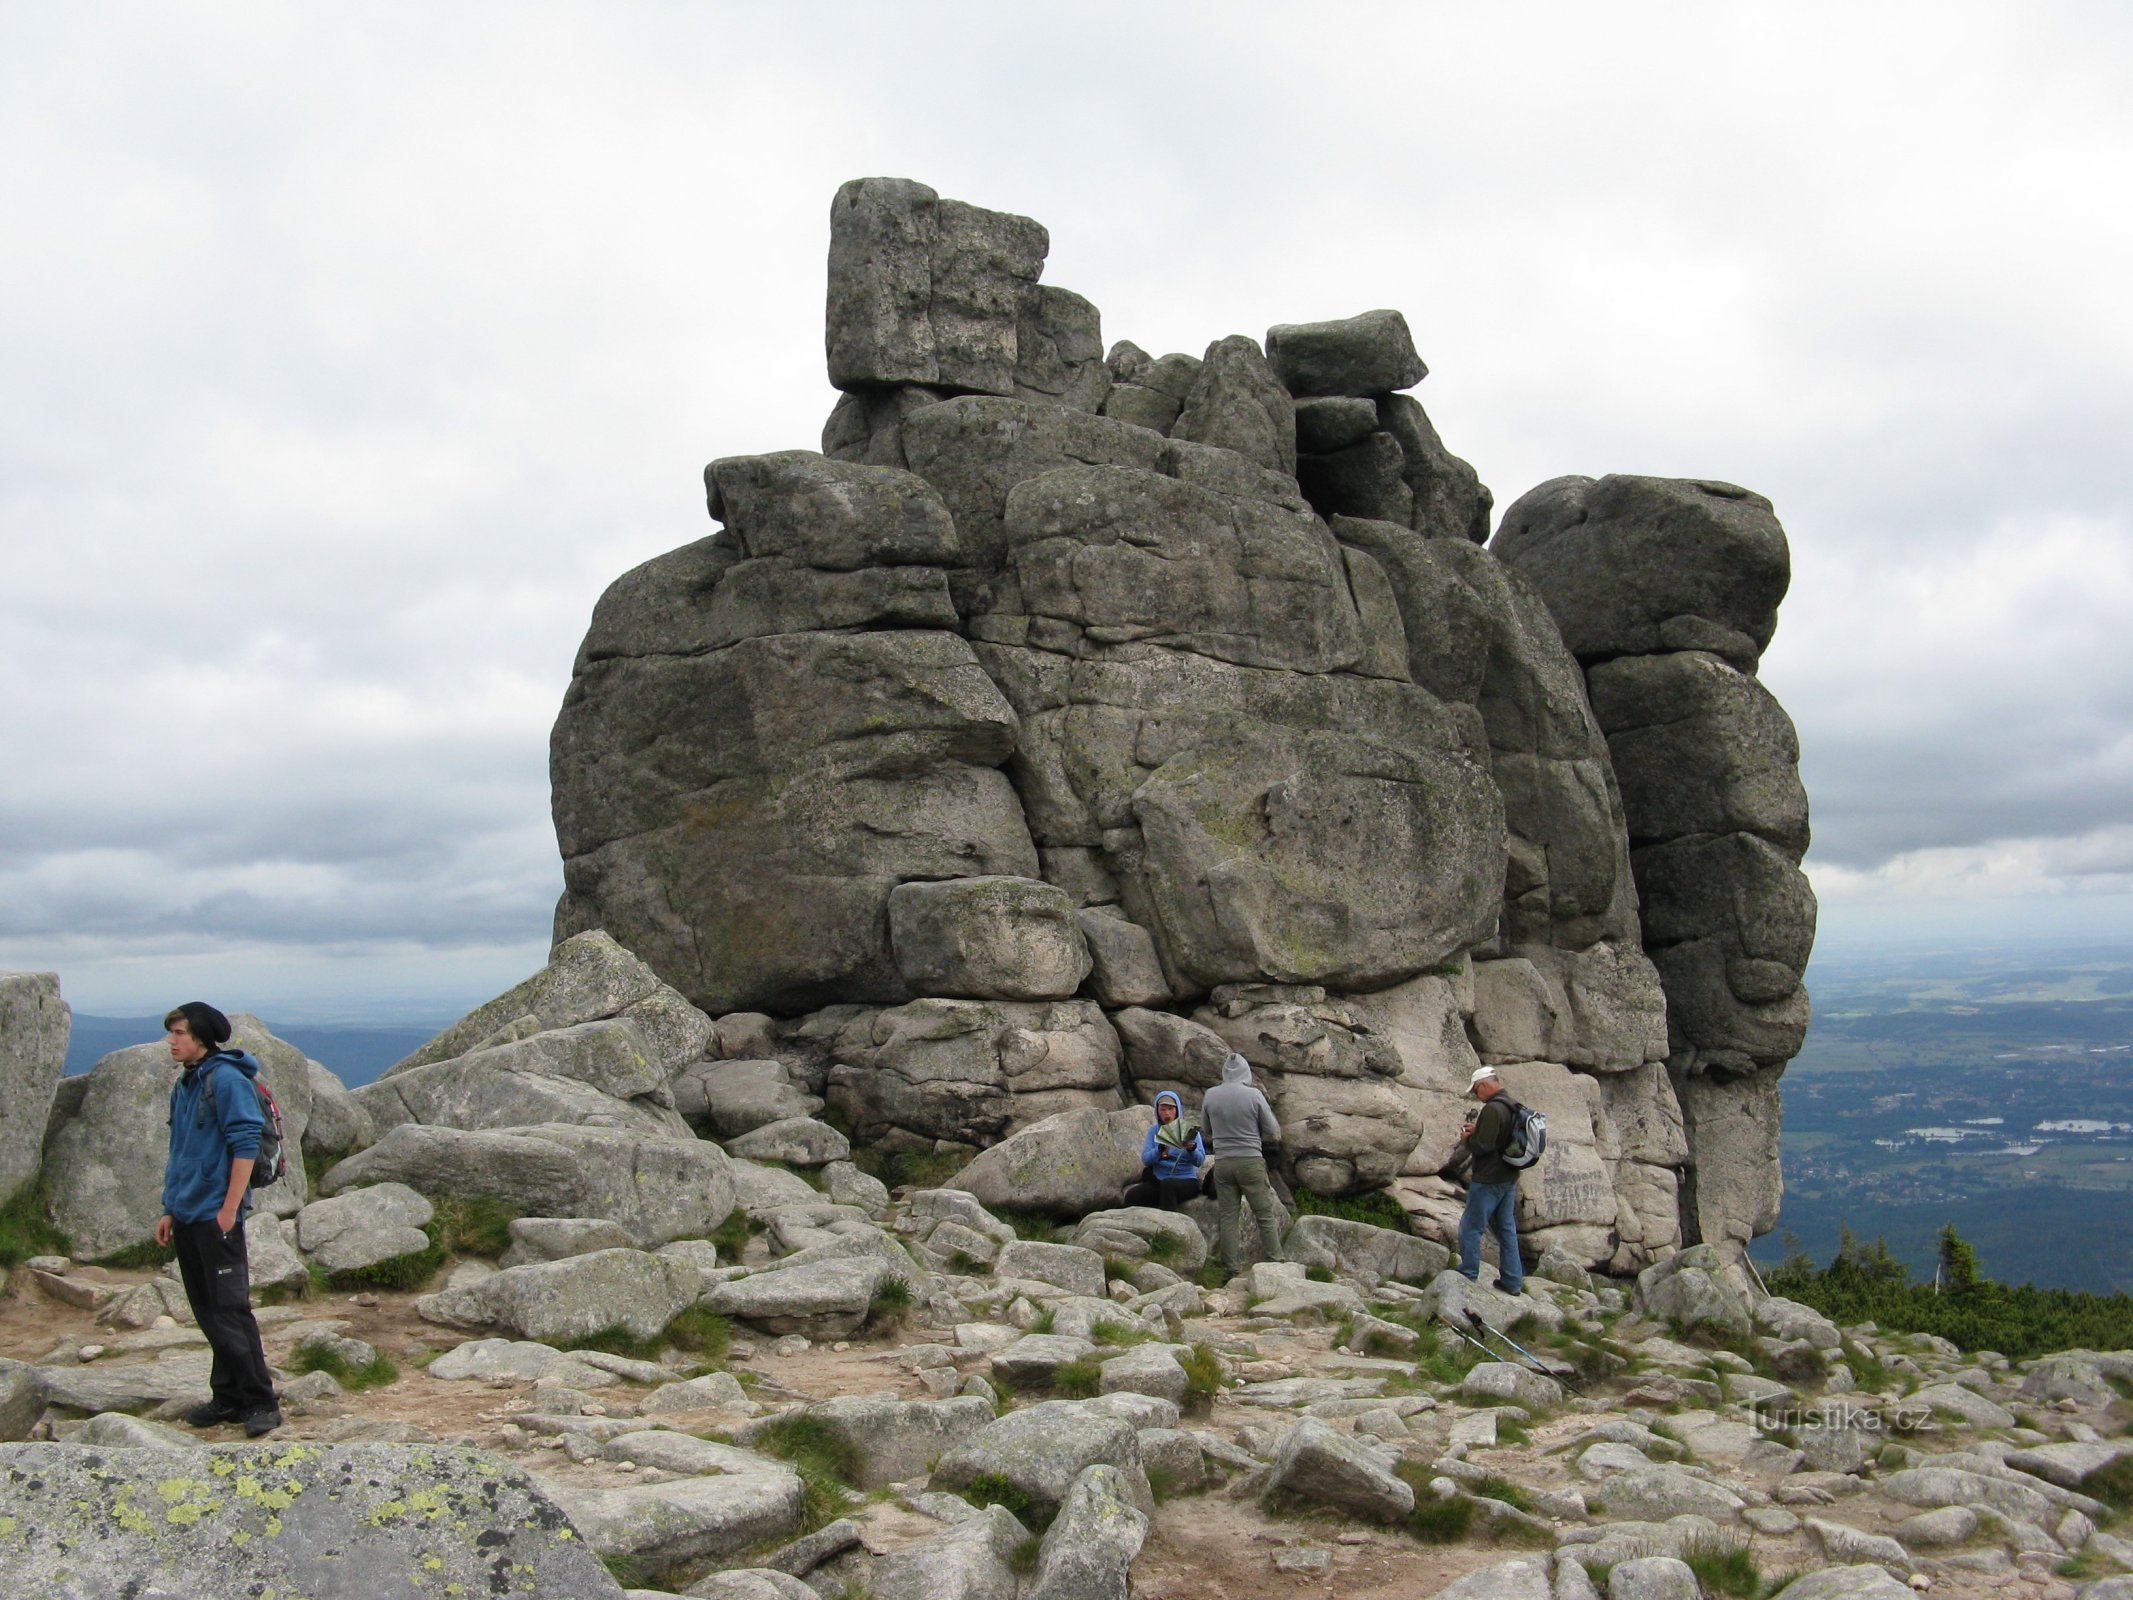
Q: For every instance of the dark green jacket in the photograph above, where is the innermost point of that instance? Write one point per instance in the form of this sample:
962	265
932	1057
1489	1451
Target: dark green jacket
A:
1492	1131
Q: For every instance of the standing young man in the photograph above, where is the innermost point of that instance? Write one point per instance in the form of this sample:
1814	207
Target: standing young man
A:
215	1123
1492	1186
1240	1125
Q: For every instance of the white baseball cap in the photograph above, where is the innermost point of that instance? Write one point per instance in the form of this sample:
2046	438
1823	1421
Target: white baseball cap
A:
1481	1075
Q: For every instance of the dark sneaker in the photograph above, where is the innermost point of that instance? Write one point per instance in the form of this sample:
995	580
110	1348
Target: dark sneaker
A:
263	1422
212	1415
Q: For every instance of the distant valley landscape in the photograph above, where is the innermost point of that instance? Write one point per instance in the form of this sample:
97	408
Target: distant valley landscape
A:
1987	1087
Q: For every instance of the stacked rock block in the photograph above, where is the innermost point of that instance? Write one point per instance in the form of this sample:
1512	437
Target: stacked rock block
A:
1667	592
1074	718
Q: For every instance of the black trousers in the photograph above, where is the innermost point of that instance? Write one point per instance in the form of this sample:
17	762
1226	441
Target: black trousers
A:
218	1286
1167	1194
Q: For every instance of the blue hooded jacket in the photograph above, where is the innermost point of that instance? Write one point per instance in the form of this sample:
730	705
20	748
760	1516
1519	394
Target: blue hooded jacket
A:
205	1139
1180	1155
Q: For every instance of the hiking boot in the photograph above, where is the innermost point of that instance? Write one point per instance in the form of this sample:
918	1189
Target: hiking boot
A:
212	1415
262	1422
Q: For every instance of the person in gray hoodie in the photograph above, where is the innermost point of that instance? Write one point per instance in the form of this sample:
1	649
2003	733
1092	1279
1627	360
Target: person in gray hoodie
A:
1239	1125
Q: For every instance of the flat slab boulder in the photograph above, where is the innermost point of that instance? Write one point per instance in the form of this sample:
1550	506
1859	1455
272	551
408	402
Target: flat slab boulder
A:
1931	1487
517	1360
662	1527
1071	1267
1144	1233
1041	1450
658	1189
1034	1359
1089	1548
1322	1466
821	1299
361	1227
1150	1369
1862	1582
974	1560
602	1073
1525	1578
2068	1463
22	1392
797	1141
1070	1164
573	1298
98	1524
535	1239
1659	1493
989	938
1362	1251
895	1440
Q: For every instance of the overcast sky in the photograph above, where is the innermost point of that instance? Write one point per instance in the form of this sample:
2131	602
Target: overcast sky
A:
349	352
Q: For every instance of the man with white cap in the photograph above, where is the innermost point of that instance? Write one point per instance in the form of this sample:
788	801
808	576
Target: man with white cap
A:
1492	1185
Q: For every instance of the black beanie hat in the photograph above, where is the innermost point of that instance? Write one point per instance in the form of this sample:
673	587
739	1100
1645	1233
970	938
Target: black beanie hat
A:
204	1022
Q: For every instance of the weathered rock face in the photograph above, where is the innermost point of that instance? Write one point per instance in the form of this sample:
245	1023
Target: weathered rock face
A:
34	1026
1667	591
1074	718
67	1500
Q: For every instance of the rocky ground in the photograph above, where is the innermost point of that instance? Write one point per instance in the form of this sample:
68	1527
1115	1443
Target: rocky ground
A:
1312	1427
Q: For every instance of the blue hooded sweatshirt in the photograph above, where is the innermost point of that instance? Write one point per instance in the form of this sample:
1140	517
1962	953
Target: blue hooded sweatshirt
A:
1180	1153
205	1139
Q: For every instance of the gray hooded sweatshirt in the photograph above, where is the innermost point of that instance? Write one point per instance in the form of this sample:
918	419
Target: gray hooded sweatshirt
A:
1235	1115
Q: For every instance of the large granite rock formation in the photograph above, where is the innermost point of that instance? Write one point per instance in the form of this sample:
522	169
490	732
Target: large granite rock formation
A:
1667	592
34	1027
1074	718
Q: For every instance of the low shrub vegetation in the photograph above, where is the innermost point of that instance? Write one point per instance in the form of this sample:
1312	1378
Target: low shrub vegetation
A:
828	1464
1865	1283
992	1489
1077	1380
26	1228
1378	1208
1724	1568
1203	1377
375	1373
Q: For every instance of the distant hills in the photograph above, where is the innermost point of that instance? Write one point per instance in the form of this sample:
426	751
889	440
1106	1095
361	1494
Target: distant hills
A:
1987	1086
356	1052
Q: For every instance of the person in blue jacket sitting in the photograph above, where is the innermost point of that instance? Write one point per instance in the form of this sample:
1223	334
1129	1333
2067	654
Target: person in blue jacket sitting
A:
1171	1157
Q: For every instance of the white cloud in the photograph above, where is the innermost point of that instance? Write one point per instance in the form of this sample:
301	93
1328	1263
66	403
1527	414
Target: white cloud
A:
352	353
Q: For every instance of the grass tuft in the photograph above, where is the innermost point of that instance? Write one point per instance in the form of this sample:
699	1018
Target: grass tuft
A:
1435	1521
1203	1377
1077	1380
375	1373
994	1489
1724	1568
731	1236
1029	1224
27	1229
1377	1208
1164	1247
1118	1333
891	1299
1493	1487
2113	1485
827	1462
147	1253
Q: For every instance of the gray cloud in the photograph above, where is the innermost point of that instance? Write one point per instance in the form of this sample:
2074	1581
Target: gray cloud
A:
334	397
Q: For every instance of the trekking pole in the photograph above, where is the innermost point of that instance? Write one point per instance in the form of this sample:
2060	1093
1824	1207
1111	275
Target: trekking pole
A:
1539	1365
1468	1337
